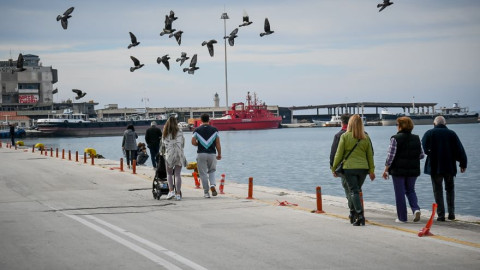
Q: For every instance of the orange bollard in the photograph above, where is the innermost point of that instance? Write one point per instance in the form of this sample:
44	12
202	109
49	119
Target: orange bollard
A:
76	156
84	158
56	150
319	200
51	152
250	188
46	152
361	200
69	155
222	183
197	183
63	153
134	166
93	159
426	230
121	164
41	150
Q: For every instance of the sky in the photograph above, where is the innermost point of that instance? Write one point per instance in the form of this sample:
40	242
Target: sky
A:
321	51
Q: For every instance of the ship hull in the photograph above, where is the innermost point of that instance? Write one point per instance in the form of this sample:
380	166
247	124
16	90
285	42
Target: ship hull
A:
391	120
94	128
246	124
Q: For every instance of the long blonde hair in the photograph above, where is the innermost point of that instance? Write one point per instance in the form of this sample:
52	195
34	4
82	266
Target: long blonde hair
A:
170	128
355	125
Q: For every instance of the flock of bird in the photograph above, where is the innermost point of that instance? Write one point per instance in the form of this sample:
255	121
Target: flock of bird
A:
168	29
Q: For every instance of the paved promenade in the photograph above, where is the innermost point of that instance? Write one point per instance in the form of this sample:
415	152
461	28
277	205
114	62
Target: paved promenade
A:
61	214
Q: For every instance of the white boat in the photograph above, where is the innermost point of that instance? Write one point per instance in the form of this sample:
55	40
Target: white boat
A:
335	121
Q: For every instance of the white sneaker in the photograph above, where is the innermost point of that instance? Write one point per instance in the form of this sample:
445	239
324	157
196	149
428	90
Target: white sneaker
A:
206	195
178	197
399	221
170	195
416	215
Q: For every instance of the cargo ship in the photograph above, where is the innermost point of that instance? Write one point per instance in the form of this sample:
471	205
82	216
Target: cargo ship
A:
251	116
80	125
453	115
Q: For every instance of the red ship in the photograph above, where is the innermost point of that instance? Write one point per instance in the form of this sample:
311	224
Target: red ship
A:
250	117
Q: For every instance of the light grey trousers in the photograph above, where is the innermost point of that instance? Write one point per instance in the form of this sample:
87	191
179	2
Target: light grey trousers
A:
207	165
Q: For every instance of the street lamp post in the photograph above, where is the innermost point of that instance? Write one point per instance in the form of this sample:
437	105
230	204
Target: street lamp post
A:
224	18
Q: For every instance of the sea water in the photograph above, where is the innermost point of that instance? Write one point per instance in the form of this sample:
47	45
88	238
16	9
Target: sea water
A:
298	159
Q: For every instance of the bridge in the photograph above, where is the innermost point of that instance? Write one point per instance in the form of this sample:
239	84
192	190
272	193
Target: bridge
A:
358	107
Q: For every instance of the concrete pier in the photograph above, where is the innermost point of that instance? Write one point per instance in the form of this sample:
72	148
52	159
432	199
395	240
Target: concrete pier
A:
61	214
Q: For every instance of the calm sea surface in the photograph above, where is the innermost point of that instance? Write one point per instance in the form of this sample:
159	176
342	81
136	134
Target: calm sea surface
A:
298	159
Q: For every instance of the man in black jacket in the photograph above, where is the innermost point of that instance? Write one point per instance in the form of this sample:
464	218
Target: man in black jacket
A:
443	149
153	136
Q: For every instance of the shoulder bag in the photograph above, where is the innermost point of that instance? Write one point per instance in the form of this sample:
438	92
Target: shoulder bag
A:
339	170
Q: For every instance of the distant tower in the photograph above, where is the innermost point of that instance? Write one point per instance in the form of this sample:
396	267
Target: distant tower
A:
216	100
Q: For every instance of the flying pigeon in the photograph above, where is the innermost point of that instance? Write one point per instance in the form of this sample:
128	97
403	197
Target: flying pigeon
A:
79	93
178	36
385	4
134	40
65	17
182	58
246	21
266	27
193	66
54	91
136	63
209	46
232	36
164	59
20	67
168	26
172	16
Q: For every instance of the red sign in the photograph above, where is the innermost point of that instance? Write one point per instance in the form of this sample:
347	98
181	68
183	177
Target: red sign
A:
28	99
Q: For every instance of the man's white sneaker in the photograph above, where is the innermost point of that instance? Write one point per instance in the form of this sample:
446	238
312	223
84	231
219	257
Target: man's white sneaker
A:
206	195
170	195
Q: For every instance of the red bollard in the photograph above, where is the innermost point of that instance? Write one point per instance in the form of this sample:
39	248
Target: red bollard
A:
0	144
426	230
63	153
134	166
197	183
222	183
56	154
250	188
361	200
69	155
33	148
41	150
121	164
93	159
84	158
46	152
51	152
319	201
76	156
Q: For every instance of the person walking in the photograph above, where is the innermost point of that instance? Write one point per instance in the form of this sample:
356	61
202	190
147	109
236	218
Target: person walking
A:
153	136
209	150
12	134
344	118
173	143
443	149
129	144
355	143
403	164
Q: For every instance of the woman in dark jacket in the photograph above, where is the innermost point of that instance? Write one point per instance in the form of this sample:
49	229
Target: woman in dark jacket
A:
403	164
129	144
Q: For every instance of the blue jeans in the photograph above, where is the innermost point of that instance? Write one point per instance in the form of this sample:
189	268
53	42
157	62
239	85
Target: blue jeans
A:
154	149
405	186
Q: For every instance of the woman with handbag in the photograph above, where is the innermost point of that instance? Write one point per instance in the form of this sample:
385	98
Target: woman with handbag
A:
403	164
355	151
172	147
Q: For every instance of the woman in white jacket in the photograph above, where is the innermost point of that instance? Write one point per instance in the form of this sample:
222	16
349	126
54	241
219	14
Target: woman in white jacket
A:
173	143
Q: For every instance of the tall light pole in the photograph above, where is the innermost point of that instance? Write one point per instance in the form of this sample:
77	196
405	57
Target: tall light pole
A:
224	18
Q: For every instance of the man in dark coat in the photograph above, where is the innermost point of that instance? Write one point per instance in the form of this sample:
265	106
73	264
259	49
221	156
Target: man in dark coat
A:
443	149
153	135
12	134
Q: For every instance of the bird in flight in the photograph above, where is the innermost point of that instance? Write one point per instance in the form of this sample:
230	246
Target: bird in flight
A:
80	93
172	16
182	58
232	36
383	5
164	59
266	27
136	64
246	20
133	38
209	45
20	62
193	65
178	36
54	91
65	17
168	26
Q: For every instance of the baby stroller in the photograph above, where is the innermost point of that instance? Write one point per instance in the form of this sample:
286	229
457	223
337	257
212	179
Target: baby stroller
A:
160	185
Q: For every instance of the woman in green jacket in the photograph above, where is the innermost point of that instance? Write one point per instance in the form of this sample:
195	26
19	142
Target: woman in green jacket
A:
359	163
